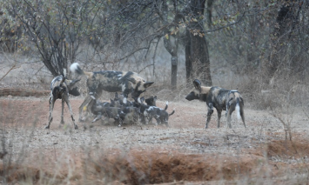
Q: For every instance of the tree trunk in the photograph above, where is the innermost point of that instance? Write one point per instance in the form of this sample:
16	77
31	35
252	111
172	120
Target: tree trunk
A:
197	57
286	20
188	59
171	45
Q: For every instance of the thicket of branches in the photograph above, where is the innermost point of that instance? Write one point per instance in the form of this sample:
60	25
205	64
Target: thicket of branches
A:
265	38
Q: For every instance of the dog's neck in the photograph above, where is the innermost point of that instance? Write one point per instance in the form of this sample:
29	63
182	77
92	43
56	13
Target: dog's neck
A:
204	89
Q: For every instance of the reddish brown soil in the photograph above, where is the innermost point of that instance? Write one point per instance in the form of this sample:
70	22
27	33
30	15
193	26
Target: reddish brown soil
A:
183	153
22	92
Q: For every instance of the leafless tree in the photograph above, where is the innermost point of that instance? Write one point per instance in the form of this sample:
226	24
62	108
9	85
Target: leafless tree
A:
10	33
55	28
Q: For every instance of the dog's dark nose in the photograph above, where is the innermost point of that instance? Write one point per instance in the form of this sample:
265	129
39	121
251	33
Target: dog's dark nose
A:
189	97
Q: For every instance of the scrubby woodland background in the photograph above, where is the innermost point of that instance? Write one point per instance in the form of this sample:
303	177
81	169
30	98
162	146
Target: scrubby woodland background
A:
263	43
259	47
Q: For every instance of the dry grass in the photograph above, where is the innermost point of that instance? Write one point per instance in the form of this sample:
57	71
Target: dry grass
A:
183	153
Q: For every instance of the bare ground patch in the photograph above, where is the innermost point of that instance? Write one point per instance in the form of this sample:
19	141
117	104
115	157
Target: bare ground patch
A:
183	153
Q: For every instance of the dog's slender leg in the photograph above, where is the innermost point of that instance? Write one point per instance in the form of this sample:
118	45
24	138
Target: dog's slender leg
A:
219	117
126	91
209	113
97	118
71	112
242	116
149	119
158	121
62	110
143	119
229	118
85	103
120	122
227	108
51	108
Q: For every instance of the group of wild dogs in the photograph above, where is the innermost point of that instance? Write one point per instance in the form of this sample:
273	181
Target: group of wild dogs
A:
130	83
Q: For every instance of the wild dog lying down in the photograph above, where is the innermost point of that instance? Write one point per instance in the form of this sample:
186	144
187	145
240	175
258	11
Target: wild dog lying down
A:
103	109
120	113
131	113
219	98
111	81
60	89
118	102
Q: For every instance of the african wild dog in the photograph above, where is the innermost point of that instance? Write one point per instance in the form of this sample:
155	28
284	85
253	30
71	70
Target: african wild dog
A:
147	112
100	109
60	89
111	81
121	114
219	98
131	113
159	114
151	101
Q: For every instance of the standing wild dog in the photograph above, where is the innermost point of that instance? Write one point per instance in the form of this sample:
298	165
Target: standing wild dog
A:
159	114
219	98
112	81
60	89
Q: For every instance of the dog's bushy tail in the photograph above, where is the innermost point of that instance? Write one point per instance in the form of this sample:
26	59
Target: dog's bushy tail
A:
166	105
75	68
172	113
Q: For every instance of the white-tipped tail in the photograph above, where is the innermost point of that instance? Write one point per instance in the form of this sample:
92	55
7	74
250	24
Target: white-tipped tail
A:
172	112
74	68
238	111
166	105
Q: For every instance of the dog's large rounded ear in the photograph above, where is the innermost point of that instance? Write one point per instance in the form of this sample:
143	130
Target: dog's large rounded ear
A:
148	84
197	84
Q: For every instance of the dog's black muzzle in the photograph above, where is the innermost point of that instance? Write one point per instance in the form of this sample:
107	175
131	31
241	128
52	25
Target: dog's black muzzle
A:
136	94
191	96
74	91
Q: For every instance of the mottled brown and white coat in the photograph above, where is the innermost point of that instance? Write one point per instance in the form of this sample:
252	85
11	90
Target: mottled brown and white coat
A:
60	89
127	82
219	98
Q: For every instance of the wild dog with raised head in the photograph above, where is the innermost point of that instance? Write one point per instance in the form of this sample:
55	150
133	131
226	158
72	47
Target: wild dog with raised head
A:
219	98
112	81
60	89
